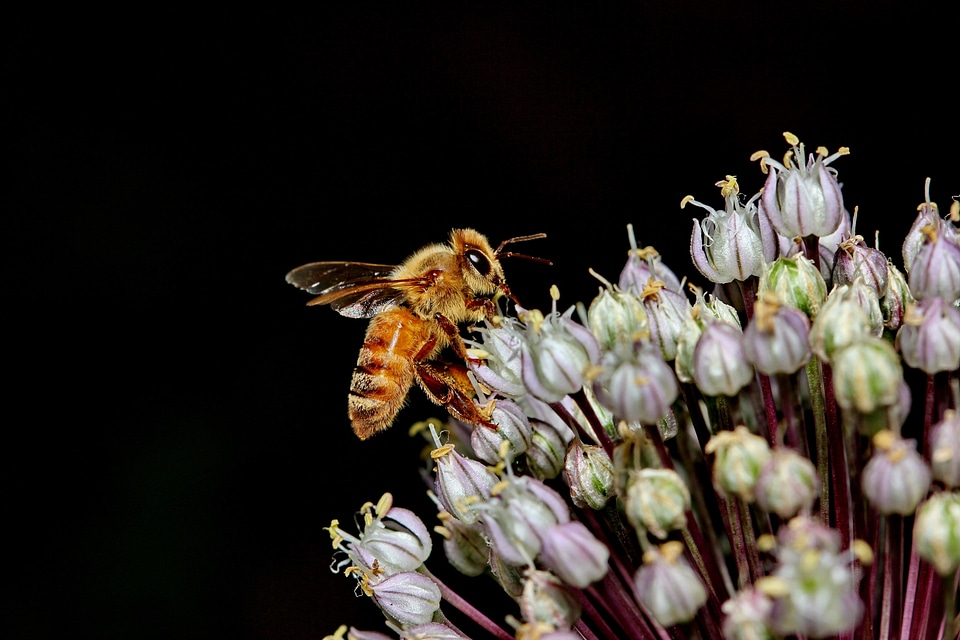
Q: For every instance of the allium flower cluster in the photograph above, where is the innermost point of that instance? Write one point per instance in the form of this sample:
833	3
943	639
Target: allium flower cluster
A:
776	457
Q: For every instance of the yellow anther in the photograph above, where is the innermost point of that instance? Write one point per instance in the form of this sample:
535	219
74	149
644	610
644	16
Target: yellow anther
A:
862	551
772	586
554	292
504	449
478	354
352	569
686	200
384	504
499	487
788	159
822	152
592	372
367	519
884	440
896	455
767	542
647	253
756	155
337	539
729	186
672	550
366	506
334	525
338	634
810	560
791	139
955	211
439	452
843	151
443	531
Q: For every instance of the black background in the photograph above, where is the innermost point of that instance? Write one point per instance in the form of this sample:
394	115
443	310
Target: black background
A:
177	424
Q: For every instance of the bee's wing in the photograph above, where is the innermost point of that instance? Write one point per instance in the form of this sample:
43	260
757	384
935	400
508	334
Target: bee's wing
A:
353	289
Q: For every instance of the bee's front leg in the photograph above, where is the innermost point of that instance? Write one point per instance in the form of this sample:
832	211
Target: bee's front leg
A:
448	385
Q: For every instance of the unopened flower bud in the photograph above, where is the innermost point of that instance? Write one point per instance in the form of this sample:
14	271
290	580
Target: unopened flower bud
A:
547	450
840	322
896	298
588	471
935	270
464	545
945	450
574	554
788	483
461	483
408	598
896	478
777	339
500	365
667	311
642	265
546	599
519	515
555	355
617	317
508	575
866	375
668	587
803	199
720	365
656	500
797	283
747	615
856	260
740	455
398	540
929	337
636	385
512	427
936	532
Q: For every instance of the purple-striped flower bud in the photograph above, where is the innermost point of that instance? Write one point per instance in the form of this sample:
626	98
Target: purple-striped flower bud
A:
555	355
667	311
896	298
929	338
547	450
497	363
867	375
668	587
797	283
617	317
398	540
945	450
642	266
512	428
777	340
732	244
740	455
588	471
720	364
802	200
574	554
519	515
787	484
936	532
896	478
463	544
827	246
928	222
545	599
841	322
855	259
935	270
461	483
636	385
407	598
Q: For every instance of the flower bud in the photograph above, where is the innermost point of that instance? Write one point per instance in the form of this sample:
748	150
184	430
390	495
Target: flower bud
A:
512	427
746	616
740	455
926	225
827	246
936	532
642	266
509	576
788	484
841	322
896	298
945	450
519	515
797	283
935	270
856	260
546	599
617	317
556	353
398	540
720	365
461	483
656	500
574	554
498	366
896	478
929	338
636	385
464	545
777	339
588	471
866	375
667	311
408	598
668	587
803	200
547	451
431	631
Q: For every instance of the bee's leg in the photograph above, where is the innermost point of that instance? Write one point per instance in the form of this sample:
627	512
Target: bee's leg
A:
447	385
453	335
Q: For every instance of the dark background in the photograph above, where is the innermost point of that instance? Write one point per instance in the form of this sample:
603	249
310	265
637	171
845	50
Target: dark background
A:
177	415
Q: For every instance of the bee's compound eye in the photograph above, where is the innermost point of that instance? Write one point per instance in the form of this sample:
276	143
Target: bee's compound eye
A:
479	261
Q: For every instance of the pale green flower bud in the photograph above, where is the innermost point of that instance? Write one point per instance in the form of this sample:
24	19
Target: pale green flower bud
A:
788	483
896	478
545	599
656	500
617	317
866	375
929	338
747	615
841	322
740	455
896	298
513	427
508	575
797	283
407	598
464	545
547	451
945	450
574	554
936	532
555	355
588	471
668	587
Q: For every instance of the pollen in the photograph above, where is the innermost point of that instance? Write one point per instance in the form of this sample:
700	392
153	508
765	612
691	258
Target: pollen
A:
439	452
729	186
791	139
863	551
686	200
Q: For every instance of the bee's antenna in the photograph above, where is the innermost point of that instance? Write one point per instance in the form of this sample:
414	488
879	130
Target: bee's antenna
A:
509	254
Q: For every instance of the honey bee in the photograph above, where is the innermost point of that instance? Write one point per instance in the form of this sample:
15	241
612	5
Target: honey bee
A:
415	310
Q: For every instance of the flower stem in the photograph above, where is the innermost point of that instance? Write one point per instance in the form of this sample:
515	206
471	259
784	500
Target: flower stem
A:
466	608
